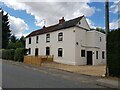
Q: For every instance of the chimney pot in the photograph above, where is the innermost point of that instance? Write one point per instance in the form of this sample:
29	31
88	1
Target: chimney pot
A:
61	20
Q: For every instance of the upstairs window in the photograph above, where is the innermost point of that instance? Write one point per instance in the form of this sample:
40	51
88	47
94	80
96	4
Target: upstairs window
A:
60	51
29	40
37	39
60	36
47	37
82	53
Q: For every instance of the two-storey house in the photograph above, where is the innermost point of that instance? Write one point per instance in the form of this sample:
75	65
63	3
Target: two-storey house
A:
71	42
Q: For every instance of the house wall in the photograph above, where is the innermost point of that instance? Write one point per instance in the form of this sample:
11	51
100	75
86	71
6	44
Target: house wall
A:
68	45
93	43
81	39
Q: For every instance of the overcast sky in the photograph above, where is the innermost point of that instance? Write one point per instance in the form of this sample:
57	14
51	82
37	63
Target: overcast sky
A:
26	17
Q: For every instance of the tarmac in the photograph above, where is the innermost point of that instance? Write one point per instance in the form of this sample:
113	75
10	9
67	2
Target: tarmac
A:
109	82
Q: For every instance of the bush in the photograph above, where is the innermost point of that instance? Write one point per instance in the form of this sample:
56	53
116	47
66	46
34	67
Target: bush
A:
19	54
113	51
8	54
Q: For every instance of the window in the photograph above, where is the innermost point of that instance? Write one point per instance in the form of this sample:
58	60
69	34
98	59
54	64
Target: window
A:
47	50
60	52
29	51
82	53
100	39
60	36
96	54
103	55
37	39
47	37
36	52
29	40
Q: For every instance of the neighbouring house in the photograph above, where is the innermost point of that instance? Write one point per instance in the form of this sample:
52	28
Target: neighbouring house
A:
71	42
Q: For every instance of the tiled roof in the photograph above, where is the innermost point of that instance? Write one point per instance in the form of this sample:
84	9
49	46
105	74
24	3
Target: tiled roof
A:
56	27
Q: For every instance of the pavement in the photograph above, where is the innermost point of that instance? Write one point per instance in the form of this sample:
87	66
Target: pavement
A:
113	83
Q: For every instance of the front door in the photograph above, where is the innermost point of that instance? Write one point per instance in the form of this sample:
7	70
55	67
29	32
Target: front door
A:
47	50
89	57
36	52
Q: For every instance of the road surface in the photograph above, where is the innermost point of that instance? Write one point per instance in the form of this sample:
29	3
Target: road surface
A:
18	75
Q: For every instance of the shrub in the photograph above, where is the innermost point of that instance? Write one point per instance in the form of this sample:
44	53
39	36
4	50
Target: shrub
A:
113	51
8	54
19	54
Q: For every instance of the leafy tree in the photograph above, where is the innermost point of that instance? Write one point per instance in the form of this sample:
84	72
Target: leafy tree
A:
5	30
100	30
13	38
22	40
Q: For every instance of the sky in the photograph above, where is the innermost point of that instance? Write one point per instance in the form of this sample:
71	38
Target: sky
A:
26	16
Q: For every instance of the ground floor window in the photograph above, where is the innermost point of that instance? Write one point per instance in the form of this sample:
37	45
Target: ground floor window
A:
82	53
103	55
36	51
47	50
96	54
60	52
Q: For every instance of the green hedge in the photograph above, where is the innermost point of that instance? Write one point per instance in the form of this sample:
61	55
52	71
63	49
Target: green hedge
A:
19	54
14	54
8	54
113	52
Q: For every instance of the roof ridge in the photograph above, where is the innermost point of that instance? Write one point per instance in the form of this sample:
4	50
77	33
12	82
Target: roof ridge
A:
66	24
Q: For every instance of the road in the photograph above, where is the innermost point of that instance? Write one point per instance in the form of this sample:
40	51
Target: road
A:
18	75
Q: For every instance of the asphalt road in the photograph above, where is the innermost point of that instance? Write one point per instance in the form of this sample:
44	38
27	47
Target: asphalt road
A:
24	76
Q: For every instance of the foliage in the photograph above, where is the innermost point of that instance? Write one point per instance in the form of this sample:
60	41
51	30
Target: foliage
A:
113	51
22	40
19	54
13	39
100	30
11	45
5	30
8	54
16	43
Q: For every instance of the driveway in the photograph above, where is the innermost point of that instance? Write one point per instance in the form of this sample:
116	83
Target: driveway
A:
96	70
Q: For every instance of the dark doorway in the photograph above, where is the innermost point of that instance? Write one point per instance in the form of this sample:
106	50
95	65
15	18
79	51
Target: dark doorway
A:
89	57
36	52
47	50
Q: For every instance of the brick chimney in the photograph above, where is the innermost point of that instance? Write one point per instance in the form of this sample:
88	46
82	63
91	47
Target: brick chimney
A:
61	20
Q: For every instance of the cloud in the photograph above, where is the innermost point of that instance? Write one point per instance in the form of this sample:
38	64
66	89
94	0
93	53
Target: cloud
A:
115	7
114	24
52	11
17	25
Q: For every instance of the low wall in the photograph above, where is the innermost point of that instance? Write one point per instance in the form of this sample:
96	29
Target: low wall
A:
37	60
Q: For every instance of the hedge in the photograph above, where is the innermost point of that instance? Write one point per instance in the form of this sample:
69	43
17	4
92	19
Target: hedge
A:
19	54
113	52
14	54
8	54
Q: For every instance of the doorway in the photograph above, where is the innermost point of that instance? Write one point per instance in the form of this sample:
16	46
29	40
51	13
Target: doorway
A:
89	57
47	51
36	51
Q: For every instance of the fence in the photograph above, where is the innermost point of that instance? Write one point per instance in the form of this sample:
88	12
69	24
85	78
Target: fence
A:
37	60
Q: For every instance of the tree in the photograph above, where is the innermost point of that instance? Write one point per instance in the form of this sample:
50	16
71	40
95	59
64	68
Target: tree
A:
13	38
5	30
100	30
22	40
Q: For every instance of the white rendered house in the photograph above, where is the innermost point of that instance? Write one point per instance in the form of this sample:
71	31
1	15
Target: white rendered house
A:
71	42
